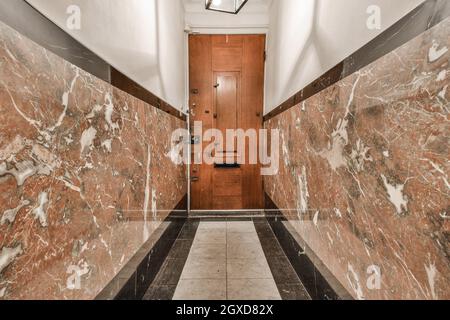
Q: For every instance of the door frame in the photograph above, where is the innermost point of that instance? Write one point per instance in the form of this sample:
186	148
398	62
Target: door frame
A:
212	30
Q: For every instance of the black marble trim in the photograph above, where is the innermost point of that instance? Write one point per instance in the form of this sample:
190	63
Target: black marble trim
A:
133	281
121	81
165	283
286	278
419	20
314	275
28	21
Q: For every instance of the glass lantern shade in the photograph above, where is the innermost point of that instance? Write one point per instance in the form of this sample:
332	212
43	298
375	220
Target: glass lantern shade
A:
227	6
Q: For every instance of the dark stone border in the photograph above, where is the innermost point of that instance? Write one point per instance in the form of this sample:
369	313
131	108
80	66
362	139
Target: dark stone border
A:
314	275
22	17
166	281
133	281
286	278
121	81
421	19
28	21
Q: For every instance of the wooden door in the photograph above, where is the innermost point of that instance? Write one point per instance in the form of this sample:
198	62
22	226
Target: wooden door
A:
226	92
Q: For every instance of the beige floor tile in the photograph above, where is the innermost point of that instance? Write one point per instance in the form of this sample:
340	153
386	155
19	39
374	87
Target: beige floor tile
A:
234	238
205	269
212	225
245	251
241	226
218	236
248	269
201	289
252	289
208	250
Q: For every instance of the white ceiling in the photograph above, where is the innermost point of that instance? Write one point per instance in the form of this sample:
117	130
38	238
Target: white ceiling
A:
253	18
252	6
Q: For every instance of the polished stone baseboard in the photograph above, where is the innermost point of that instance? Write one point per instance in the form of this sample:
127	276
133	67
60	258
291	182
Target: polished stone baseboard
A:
134	280
314	275
164	285
288	282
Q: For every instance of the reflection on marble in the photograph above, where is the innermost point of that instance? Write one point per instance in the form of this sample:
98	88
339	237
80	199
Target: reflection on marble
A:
365	164
85	175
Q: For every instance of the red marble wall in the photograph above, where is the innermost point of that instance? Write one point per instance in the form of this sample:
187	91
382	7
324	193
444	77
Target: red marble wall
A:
85	175
364	174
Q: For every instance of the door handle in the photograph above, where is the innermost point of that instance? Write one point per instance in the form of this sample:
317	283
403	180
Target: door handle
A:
216	85
215	115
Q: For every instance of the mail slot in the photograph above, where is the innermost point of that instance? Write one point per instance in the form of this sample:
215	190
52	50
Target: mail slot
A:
227	165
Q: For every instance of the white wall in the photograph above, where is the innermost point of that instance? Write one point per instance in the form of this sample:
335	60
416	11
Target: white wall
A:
144	39
309	37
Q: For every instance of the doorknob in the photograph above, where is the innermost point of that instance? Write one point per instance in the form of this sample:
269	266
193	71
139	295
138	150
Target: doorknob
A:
216	85
258	114
215	115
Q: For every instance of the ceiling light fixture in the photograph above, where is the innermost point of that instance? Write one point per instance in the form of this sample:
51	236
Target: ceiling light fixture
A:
226	6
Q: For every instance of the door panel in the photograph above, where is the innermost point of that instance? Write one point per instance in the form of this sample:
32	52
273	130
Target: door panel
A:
227	105
227	59
226	84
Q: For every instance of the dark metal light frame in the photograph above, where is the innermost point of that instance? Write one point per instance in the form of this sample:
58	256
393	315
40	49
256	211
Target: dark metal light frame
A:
236	11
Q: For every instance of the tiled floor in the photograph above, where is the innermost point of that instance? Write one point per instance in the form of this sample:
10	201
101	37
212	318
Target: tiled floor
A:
226	261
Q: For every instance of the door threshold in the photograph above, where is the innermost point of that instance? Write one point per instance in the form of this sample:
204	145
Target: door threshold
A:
227	213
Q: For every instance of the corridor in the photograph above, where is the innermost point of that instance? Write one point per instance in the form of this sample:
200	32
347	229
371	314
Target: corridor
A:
227	260
224	150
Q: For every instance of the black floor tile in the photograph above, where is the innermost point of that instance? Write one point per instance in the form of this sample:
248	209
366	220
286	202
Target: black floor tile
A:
311	278
170	272
128	292
189	230
160	293
164	285
180	249
282	270
285	276
293	292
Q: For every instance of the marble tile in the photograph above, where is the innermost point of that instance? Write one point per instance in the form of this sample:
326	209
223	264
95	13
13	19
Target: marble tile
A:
218	236
163	293
235	238
189	230
84	175
241	227
245	251
210	225
252	289
282	270
248	269
170	272
180	249
294	292
364	172
201	268
208	251
201	289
